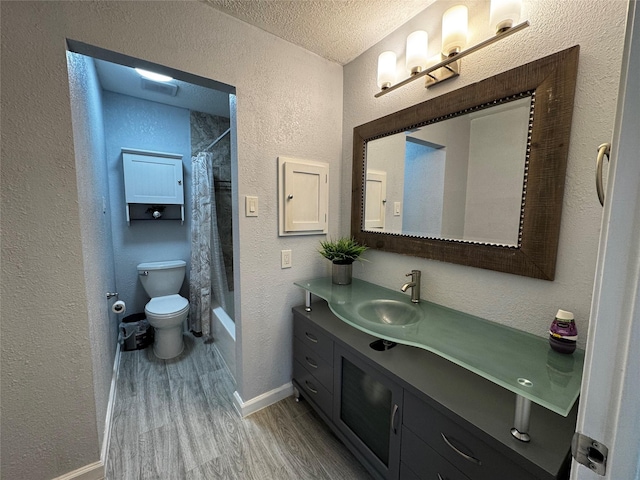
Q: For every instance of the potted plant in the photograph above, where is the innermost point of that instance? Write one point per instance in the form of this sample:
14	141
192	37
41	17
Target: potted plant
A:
342	253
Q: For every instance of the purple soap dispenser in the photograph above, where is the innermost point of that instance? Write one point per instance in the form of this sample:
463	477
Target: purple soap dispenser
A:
563	333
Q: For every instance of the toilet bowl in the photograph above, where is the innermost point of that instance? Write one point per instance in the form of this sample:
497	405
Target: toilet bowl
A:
166	315
166	311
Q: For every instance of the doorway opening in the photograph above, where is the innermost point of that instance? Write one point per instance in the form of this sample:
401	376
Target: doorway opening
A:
187	115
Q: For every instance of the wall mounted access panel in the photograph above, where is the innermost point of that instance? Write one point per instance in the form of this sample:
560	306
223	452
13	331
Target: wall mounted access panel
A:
303	197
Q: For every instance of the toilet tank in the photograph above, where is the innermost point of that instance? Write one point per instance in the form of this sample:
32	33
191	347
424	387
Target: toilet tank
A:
162	278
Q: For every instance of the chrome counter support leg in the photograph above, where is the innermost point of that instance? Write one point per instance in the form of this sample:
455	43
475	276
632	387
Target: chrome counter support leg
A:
307	301
521	421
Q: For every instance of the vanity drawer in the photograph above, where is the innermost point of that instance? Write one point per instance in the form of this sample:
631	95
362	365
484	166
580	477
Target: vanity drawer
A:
313	363
314	338
406	473
423	462
312	389
469	454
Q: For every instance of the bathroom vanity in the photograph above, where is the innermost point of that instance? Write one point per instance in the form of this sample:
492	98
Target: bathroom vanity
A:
415	412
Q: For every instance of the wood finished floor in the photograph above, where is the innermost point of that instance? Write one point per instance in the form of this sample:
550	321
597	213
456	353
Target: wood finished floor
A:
174	419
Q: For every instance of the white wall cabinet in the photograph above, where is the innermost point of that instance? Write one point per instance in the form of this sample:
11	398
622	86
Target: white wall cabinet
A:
152	178
303	187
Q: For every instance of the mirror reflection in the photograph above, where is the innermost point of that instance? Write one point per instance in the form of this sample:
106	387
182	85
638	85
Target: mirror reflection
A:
458	178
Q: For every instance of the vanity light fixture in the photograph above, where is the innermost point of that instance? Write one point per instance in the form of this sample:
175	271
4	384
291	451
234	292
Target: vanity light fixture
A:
386	69
454	30
417	48
504	15
156	77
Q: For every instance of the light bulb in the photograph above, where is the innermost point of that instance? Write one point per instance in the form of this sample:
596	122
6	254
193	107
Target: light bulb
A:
454	30
157	77
417	47
504	14
386	69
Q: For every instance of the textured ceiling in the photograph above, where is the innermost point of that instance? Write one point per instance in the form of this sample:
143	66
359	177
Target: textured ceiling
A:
338	30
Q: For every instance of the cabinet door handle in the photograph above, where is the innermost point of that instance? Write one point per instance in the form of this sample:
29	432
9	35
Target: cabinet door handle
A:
440	477
310	387
311	337
393	419
462	454
603	150
311	363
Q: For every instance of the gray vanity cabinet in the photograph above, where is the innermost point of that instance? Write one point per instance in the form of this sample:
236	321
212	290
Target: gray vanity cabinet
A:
313	365
433	443
367	408
408	414
360	404
419	461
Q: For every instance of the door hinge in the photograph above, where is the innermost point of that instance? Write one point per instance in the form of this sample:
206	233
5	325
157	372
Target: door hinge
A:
589	452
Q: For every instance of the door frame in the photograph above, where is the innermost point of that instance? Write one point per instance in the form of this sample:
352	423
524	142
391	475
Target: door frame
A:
609	401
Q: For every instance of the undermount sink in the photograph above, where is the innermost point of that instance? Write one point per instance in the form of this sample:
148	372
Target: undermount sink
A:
389	312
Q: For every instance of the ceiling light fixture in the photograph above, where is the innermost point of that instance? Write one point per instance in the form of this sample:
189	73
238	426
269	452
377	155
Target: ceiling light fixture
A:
504	14
156	77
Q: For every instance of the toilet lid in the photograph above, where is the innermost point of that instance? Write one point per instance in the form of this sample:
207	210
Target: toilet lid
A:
166	305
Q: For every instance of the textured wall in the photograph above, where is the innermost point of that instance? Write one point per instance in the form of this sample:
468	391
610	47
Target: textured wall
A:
141	124
48	408
524	303
95	222
289	102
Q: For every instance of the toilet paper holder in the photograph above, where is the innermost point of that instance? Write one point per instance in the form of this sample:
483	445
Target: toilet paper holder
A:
110	295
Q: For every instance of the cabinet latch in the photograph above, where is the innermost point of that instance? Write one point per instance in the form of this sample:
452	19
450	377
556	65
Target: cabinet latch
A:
589	452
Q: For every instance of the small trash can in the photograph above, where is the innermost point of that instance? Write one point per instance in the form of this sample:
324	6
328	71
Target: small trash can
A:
135	332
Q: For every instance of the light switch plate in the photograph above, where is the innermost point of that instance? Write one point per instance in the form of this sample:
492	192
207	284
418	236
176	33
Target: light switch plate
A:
397	209
251	206
285	259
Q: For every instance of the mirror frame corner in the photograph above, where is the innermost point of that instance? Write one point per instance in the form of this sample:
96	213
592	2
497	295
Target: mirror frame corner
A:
536	254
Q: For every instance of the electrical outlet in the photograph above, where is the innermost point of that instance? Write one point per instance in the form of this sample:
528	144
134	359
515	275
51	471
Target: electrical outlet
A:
285	259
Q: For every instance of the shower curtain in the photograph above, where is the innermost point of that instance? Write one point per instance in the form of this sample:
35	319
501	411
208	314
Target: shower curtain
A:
207	266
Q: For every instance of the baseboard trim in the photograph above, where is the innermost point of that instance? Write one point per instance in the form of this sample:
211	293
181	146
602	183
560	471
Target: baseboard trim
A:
97	470
93	471
108	421
261	401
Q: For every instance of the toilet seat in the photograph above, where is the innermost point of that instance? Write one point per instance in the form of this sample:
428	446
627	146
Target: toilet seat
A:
169	305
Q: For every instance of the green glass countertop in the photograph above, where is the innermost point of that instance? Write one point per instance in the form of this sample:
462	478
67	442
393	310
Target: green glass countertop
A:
518	361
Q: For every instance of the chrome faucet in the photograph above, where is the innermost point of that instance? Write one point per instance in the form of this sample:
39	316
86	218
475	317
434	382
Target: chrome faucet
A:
414	284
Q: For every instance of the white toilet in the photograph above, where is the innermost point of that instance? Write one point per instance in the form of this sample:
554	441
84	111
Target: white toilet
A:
167	309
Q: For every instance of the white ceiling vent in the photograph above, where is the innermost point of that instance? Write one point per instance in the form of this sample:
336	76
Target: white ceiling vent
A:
159	87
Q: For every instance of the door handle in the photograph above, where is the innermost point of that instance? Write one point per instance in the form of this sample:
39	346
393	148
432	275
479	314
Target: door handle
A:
604	149
393	419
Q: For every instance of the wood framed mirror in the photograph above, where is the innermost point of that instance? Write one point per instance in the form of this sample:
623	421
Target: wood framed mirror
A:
545	90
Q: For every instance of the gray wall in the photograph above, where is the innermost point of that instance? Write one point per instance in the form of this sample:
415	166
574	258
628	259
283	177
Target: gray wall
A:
289	103
141	124
524	303
424	190
95	222
494	189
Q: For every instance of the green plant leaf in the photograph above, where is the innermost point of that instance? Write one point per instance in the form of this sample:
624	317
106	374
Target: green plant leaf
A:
343	250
